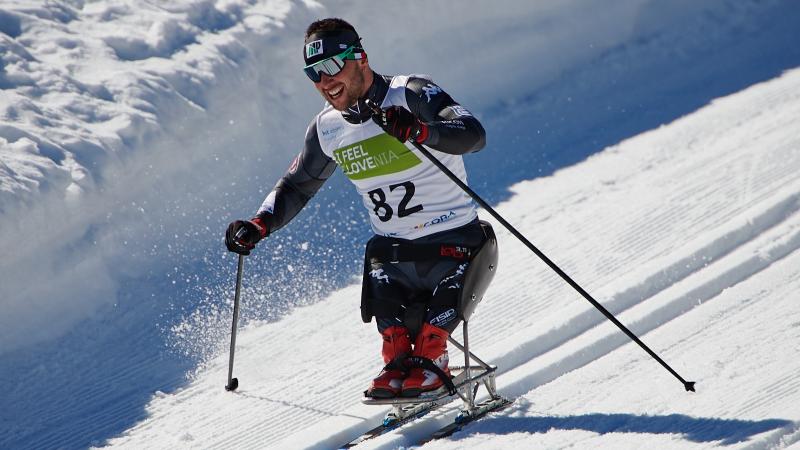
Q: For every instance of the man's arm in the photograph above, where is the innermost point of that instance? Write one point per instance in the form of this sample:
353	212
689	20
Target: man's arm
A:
451	128
305	176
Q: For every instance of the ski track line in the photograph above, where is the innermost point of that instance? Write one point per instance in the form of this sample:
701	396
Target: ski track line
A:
788	384
277	415
726	240
660	279
285	417
263	428
664	274
112	412
657	221
739	219
672	308
735	311
578	352
777	390
726	243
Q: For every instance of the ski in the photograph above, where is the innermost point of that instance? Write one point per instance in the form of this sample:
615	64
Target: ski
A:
406	410
466	417
396	419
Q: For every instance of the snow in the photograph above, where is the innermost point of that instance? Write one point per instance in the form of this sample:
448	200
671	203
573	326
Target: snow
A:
711	289
650	149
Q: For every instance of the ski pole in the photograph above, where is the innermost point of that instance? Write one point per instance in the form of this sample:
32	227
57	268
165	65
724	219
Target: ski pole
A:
233	383
688	385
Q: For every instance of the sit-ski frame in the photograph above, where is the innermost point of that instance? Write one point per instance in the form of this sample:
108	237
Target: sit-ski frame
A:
467	380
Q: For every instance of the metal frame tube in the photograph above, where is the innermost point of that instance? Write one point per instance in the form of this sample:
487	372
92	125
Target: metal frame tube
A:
469	393
471	355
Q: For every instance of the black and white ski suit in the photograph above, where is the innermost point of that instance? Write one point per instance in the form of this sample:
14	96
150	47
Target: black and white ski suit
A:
410	201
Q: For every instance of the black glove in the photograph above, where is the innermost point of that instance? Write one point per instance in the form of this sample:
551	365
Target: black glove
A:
400	123
243	235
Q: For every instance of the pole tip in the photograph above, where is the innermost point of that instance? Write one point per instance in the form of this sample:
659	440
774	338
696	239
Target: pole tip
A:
689	385
232	385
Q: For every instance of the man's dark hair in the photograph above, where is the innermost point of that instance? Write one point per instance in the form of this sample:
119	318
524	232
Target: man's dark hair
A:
329	24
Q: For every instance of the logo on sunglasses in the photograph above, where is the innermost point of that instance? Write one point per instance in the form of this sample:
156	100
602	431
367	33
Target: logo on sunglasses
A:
314	48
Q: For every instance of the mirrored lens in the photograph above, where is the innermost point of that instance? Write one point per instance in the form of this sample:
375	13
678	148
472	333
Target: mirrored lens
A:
312	74
330	66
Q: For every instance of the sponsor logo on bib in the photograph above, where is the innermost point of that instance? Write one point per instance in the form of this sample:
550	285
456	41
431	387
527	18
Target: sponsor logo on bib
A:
376	156
436	220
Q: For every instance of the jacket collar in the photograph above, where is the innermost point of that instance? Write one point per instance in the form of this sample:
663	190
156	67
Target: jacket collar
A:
360	112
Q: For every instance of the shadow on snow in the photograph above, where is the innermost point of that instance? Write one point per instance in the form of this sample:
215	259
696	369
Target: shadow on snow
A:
695	429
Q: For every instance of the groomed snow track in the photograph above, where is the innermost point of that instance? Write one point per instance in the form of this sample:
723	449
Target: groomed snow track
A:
669	230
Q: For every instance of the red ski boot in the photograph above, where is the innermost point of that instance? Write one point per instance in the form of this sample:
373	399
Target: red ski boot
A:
395	343
431	343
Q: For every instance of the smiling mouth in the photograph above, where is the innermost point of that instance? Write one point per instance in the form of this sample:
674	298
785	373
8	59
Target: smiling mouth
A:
335	93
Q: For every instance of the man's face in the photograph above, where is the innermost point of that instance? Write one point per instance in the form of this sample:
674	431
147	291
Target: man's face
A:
343	89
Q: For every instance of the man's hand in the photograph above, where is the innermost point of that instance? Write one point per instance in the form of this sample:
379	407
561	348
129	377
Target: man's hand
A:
243	235
400	123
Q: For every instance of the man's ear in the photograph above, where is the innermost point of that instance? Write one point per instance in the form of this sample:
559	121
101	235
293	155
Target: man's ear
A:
363	65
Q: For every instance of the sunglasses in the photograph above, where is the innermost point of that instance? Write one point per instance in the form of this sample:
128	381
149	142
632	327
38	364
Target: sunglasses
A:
331	66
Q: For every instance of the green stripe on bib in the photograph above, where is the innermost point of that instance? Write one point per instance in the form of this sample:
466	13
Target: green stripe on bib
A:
376	156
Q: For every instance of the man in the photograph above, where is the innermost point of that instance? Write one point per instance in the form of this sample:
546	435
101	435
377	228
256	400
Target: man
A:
425	225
